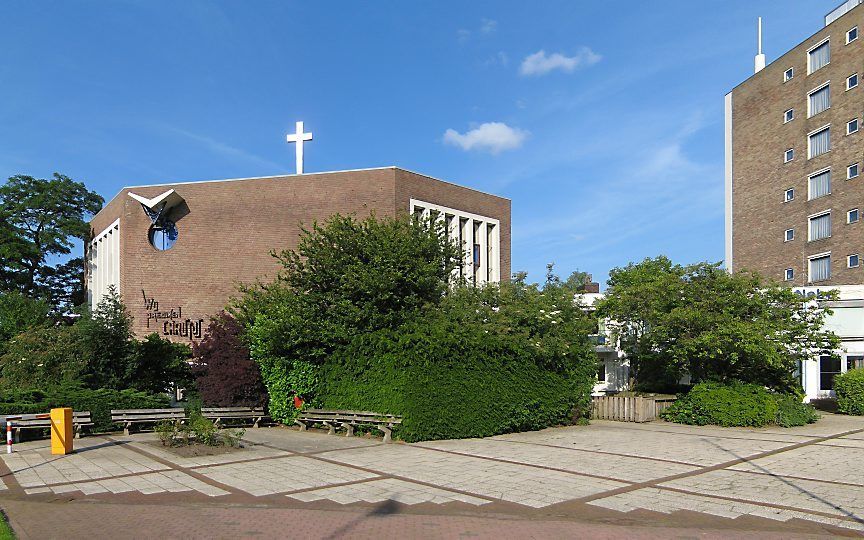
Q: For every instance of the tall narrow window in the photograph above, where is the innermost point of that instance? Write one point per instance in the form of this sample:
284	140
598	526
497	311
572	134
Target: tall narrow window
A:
788	195
820	99
852	126
788	116
820	185
818	57
789	274
819	142
852	81
851	35
820	268
852	216
820	227
852	171
789	235
788	155
853	261
788	74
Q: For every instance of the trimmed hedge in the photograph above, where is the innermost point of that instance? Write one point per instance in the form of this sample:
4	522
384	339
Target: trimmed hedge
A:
448	382
850	392
738	404
98	402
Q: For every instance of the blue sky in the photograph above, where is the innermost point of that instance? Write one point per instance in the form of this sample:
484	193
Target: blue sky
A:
604	125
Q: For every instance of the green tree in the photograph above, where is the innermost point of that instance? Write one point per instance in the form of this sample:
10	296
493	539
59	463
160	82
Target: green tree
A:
107	342
18	313
700	320
156	364
39	218
346	277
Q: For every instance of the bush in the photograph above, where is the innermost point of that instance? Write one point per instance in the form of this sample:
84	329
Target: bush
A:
225	375
198	430
467	370
850	392
738	404
98	402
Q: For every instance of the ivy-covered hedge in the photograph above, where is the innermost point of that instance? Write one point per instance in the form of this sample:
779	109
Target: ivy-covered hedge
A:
98	402
739	404
850	392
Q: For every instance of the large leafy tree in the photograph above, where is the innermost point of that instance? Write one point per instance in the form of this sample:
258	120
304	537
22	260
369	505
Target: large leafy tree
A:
714	325
39	220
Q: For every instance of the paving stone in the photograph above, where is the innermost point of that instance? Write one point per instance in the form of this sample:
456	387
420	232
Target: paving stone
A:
802	494
660	500
521	484
158	482
280	475
634	469
391	489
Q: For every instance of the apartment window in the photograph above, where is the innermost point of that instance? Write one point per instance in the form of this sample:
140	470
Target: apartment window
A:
788	74
852	216
820	267
852	126
820	226
788	116
601	372
852	81
819	142
819	56
852	171
852	35
789	235
788	155
789	274
854	362
820	184
852	261
819	100
788	195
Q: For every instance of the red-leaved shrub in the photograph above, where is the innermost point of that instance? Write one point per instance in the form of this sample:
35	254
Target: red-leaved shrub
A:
225	375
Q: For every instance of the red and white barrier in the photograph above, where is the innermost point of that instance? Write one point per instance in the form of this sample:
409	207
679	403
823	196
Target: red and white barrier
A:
8	436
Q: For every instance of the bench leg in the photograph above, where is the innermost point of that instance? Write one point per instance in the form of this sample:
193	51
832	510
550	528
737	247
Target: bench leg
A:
77	432
255	424
126	427
386	431
349	430
17	435
301	424
331	428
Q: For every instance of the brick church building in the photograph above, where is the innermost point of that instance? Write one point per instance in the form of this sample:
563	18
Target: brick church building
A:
177	252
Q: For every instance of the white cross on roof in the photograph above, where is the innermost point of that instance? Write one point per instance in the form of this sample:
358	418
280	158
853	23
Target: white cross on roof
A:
299	137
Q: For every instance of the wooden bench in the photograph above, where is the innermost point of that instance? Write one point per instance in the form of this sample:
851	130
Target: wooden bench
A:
348	419
80	420
218	414
128	417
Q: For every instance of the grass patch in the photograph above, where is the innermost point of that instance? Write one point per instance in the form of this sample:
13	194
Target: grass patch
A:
5	530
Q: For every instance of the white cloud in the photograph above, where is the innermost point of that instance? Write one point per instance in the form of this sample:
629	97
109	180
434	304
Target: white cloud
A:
541	64
487	26
492	137
462	35
499	59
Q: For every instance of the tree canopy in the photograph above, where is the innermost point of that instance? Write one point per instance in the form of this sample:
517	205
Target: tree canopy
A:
39	218
700	320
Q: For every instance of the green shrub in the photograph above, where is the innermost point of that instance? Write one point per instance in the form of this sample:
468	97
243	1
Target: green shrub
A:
850	392
98	402
198	430
738	404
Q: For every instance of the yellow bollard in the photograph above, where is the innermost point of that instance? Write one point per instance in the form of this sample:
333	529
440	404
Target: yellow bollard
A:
61	431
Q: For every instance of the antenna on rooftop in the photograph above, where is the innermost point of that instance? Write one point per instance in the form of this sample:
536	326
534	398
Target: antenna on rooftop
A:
759	63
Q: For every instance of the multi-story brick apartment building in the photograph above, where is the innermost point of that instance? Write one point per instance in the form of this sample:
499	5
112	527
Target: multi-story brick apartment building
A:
794	178
177	252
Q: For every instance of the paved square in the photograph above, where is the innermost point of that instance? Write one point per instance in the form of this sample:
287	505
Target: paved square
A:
281	475
388	489
812	475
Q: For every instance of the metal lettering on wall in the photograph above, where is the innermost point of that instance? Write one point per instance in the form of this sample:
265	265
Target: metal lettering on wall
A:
173	323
